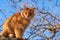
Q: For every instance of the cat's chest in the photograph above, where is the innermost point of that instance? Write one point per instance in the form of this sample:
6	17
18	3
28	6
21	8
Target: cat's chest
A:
25	22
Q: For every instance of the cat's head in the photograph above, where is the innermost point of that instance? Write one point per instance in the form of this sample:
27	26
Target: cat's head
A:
27	13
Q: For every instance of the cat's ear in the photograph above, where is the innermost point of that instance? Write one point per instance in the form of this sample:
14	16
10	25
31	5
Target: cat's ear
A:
25	8
32	9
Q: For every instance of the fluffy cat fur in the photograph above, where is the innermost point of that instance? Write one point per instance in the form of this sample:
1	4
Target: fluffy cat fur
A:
16	24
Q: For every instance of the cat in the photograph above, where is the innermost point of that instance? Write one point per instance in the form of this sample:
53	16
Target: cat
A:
16	24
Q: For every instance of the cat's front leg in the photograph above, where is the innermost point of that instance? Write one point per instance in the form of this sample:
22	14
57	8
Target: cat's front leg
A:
18	34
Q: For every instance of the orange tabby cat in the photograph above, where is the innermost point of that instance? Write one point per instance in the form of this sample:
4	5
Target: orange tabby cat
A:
15	25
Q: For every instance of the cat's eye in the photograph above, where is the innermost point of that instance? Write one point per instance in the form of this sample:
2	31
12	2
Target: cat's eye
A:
30	13
26	13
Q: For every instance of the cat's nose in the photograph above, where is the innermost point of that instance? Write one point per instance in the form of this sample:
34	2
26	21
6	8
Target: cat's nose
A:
28	15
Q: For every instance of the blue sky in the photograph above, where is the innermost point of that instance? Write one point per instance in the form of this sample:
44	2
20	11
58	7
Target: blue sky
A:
8	9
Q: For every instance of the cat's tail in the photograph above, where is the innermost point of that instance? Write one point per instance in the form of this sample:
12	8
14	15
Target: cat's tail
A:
1	35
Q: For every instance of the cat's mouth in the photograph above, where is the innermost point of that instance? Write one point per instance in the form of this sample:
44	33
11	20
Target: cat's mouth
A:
28	17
